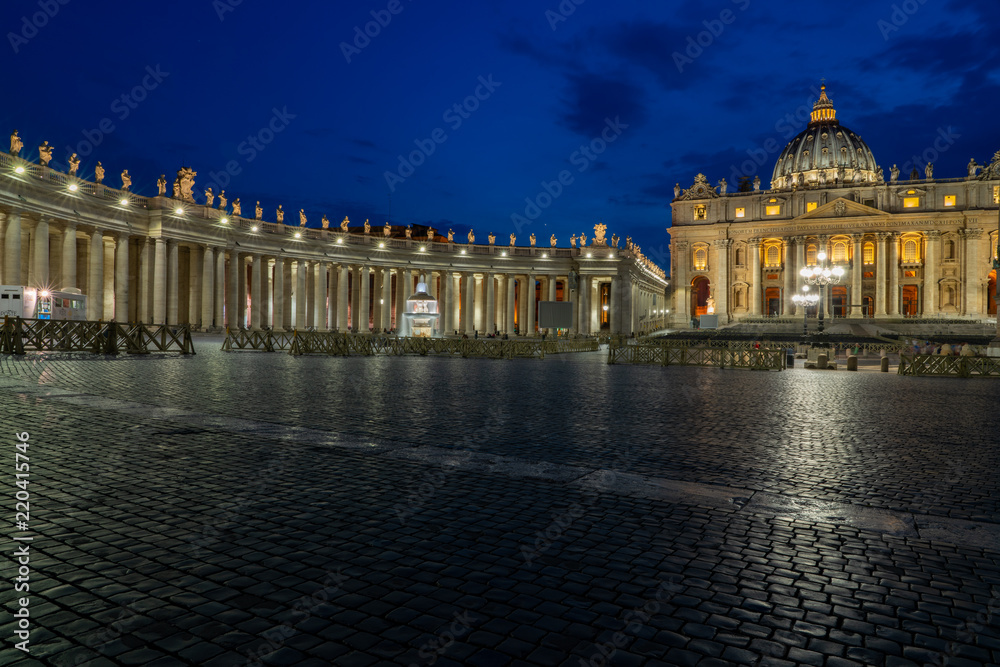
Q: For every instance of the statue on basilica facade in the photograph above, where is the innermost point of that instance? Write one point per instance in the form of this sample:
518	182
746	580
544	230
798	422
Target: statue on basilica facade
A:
492	238
929	171
237	208
723	186
74	164
894	174
614	240
599	231
472	237
280	215
880	175
451	236
161	185
126	180
324	222
552	241
572	241
185	176
583	239
409	231
841	174
512	239
302	218
222	201
973	168
368	227
15	144
209	195
344	224
258	212
99	173
677	190
387	230
756	183
45	153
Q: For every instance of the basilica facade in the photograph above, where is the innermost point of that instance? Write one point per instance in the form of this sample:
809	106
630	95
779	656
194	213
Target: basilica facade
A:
911	245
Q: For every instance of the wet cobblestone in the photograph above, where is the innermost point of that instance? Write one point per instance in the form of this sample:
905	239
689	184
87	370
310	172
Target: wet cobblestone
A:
164	539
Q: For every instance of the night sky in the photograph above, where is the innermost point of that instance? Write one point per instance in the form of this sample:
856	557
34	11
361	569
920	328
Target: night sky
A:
676	88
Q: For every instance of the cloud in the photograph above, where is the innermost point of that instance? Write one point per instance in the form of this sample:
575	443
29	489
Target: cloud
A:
593	98
652	47
364	143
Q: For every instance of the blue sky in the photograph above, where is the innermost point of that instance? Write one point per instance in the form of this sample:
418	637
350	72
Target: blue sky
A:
619	100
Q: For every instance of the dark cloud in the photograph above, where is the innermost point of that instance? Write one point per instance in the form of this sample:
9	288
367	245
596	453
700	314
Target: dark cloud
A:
592	99
652	46
364	143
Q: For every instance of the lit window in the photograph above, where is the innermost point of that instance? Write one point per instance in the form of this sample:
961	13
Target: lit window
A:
909	274
949	200
811	206
741	213
810	255
996	194
700	212
773	209
911	202
700	259
840	252
869	253
910	251
773	256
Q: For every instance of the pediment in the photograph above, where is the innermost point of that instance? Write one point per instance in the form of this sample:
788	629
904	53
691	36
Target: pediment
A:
842	208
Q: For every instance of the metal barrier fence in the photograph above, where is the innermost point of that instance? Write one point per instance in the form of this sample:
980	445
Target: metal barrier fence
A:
670	355
948	366
889	346
19	335
343	344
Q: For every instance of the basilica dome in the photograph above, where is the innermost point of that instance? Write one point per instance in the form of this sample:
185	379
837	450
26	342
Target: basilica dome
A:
824	153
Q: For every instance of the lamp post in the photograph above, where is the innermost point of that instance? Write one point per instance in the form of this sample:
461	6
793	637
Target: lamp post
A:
804	301
822	275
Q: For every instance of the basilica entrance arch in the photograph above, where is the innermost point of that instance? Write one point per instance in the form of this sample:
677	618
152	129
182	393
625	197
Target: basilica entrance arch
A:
911	300
838	301
701	288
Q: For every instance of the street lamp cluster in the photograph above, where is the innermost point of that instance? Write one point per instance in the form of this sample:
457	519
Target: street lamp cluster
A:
821	275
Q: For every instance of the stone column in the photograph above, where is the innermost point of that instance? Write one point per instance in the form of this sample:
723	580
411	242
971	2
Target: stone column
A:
159	281
931	273
532	299
788	307
509	324
95	281
880	276
800	263
378	275
256	316
386	305
456	315
893	241
681	293
319	296
266	285
220	287
365	299
173	281
584	300
552	297
301	303
241	301
343	298
331	296
469	304
973	279
856	268
144	312
41	256
278	311
722	279
109	280
69	256
233	295
615	307
573	296
207	288
12	252
121	279
755	296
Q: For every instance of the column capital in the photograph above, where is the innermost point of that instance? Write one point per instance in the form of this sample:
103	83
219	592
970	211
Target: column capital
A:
932	234
857	237
722	243
971	233
754	242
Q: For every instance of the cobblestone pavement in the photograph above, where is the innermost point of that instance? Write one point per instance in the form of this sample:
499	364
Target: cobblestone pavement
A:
250	508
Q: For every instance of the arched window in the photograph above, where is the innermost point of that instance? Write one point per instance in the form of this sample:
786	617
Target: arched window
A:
949	249
811	254
909	250
701	258
773	256
869	253
839	252
740	256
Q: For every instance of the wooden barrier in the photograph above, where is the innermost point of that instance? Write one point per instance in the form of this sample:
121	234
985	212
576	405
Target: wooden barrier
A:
343	344
19	335
669	355
948	366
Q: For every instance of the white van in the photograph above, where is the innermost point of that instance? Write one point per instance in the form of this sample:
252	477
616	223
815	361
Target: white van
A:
32	303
